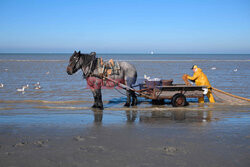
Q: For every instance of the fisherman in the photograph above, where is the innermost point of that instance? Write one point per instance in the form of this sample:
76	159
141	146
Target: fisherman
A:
200	79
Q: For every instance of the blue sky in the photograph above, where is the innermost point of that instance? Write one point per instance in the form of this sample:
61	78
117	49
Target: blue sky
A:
125	26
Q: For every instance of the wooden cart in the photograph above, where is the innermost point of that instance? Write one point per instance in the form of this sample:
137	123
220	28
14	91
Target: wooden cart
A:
177	93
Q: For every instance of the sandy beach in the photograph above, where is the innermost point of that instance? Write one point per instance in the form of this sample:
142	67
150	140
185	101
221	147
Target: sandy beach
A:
215	135
106	83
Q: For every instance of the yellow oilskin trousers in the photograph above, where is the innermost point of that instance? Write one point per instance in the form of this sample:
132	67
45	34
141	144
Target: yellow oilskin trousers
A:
209	95
201	80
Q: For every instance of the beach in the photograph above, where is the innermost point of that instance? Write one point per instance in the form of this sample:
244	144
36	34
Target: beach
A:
55	125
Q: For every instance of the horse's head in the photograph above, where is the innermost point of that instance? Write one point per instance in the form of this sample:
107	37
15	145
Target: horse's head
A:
74	63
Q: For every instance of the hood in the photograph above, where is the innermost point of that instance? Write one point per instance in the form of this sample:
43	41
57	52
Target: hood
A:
198	70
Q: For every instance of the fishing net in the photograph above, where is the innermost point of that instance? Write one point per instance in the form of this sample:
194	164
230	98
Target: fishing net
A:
224	97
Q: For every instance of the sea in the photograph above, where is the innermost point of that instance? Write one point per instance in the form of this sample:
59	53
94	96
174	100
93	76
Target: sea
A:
62	94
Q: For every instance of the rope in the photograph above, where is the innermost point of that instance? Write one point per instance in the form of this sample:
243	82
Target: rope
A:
242	98
127	87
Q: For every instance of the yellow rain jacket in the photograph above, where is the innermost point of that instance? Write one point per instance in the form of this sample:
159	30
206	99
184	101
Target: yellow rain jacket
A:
200	78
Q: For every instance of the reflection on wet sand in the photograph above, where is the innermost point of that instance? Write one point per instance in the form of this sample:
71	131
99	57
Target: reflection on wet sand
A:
159	116
131	115
178	115
98	115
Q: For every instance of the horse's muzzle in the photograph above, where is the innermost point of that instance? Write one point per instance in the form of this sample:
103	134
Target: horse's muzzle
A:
69	70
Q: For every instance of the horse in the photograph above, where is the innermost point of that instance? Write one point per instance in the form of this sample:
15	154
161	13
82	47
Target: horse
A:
88	63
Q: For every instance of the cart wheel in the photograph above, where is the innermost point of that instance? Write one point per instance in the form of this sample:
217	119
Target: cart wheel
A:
179	100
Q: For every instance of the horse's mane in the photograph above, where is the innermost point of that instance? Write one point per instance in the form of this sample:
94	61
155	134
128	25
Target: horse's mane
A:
87	58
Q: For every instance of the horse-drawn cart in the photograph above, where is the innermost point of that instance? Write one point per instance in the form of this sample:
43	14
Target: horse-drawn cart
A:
164	89
177	93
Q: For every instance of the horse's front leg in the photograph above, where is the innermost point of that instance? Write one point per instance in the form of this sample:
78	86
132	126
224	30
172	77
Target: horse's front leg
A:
97	94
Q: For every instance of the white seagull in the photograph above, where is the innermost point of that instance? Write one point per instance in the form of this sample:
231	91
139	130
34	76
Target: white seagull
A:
21	90
235	70
26	86
1	85
213	68
146	77
37	84
38	87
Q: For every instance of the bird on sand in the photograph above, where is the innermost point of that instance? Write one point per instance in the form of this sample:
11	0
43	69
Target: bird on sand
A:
37	84
38	87
26	86
21	90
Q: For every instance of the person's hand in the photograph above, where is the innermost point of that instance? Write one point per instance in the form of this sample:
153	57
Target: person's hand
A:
185	79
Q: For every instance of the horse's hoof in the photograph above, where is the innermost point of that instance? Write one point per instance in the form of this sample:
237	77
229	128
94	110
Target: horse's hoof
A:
126	105
94	106
134	104
100	107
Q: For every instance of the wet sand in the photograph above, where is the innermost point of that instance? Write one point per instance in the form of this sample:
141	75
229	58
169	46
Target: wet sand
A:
207	136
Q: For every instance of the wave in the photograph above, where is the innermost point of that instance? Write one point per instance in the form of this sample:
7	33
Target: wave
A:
122	109
195	60
45	101
13	60
146	60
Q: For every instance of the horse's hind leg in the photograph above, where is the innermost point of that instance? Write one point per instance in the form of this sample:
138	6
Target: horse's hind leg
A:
127	104
134	98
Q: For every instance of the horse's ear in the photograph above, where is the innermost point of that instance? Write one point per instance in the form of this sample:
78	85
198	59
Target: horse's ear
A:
75	52
79	52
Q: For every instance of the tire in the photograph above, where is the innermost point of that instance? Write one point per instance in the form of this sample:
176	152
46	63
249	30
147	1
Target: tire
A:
179	100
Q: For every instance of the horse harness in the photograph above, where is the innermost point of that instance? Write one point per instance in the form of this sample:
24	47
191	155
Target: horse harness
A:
104	69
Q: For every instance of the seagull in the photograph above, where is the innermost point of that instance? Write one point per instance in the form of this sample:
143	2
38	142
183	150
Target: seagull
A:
38	87
37	84
26	86
1	85
6	69
213	68
235	70
145	77
21	90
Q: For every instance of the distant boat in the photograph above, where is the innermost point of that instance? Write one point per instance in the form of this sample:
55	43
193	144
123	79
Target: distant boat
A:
151	52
